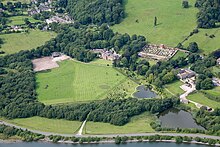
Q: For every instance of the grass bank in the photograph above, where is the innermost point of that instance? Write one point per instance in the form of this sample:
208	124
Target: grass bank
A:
47	125
138	124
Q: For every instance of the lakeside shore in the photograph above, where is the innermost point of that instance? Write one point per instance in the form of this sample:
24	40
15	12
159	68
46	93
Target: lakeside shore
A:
105	142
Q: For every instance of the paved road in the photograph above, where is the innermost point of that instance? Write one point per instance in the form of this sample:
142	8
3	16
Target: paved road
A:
113	135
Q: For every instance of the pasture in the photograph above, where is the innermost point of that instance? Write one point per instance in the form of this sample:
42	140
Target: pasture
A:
174	22
138	124
16	42
47	125
74	81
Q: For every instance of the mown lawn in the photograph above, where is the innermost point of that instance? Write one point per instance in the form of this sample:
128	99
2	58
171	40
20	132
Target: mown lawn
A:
174	22
138	124
206	44
200	98
47	125
174	87
25	41
76	82
19	20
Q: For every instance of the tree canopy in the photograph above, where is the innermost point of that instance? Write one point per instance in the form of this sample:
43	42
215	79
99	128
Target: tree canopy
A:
96	11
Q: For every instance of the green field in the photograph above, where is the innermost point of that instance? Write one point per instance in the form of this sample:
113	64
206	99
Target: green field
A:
174	22
174	88
76	82
200	98
19	20
215	92
179	54
138	124
25	41
22	1
47	125
206	44
101	62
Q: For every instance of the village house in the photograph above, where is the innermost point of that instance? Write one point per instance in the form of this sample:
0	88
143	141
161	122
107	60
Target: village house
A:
16	28
185	74
1	10
106	55
58	19
216	81
218	61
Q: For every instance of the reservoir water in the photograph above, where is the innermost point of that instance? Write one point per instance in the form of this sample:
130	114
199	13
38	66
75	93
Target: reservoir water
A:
174	118
146	144
143	92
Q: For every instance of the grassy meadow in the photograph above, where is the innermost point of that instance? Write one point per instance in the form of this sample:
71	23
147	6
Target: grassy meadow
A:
19	20
138	124
174	88
214	92
174	22
205	43
179	54
202	99
76	82
16	42
47	125
13	1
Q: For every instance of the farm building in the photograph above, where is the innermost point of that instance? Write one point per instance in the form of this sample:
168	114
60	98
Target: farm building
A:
185	74
107	55
56	54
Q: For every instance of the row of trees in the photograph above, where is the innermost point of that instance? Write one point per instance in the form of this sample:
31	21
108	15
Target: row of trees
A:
209	13
210	120
201	67
114	111
96	11
8	131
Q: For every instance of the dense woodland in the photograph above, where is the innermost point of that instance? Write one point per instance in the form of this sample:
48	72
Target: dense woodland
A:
96	11
209	13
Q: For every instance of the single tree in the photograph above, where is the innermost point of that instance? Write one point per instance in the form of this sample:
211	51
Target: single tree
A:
185	4
155	21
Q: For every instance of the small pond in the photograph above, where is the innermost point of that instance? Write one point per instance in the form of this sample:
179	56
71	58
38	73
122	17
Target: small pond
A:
143	92
174	118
